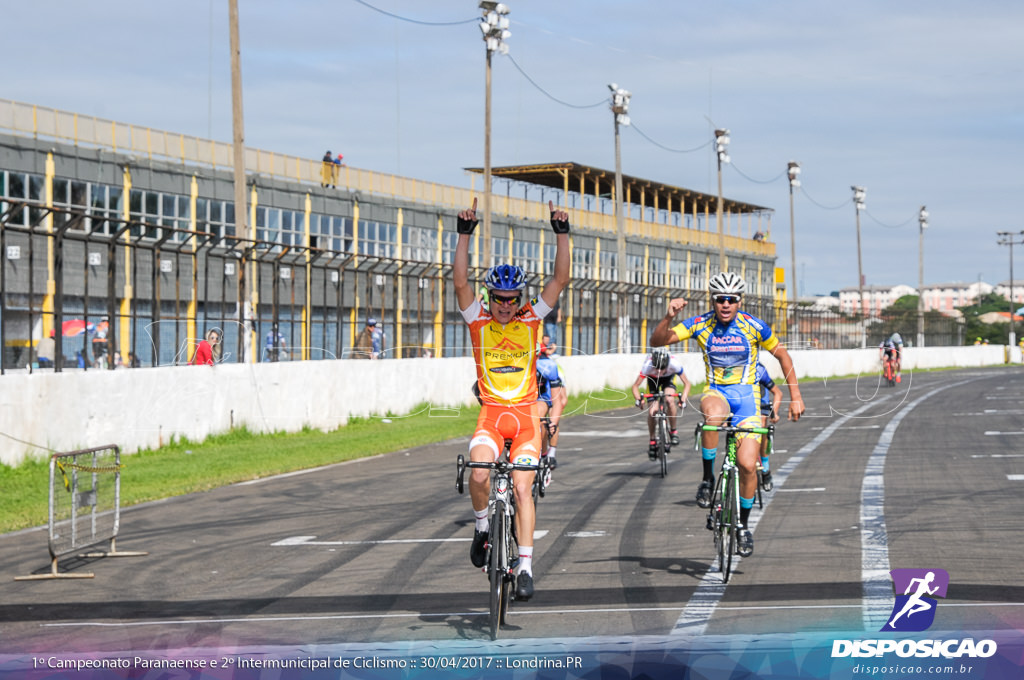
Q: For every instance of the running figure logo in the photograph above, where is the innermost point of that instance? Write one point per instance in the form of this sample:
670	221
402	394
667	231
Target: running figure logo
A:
914	610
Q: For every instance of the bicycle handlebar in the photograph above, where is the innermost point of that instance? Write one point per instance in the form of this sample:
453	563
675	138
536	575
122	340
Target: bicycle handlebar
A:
731	428
503	466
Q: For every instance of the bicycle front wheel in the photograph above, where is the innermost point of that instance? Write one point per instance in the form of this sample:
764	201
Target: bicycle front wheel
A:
730	520
498	561
662	436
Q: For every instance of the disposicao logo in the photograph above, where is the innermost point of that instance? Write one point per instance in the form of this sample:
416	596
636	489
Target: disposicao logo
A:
914	610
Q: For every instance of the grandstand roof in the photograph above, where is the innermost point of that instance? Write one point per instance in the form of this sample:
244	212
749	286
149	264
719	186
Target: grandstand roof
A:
591	181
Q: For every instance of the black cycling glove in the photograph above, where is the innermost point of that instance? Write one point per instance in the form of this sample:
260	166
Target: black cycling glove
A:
559	226
464	226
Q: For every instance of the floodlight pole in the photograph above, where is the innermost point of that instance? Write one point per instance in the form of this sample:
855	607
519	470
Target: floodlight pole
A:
858	202
922	220
1006	239
721	149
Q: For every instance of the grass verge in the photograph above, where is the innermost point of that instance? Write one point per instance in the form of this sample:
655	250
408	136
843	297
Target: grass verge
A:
184	467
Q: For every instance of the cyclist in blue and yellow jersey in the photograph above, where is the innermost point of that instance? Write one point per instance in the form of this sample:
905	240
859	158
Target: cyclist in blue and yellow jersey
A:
504	335
771	398
551	397
730	340
659	371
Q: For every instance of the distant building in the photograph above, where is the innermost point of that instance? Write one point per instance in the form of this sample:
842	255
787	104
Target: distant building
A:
946	297
876	298
1003	288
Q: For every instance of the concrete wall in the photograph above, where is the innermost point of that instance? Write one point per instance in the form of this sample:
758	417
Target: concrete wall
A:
144	408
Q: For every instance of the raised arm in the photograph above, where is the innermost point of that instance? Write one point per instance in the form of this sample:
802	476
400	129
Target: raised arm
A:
465	225
560	225
663	334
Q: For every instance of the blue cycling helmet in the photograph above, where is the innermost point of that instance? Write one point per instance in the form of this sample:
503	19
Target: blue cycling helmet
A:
505	277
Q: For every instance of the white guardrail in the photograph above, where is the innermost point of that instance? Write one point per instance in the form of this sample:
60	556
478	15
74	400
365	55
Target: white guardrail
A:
145	408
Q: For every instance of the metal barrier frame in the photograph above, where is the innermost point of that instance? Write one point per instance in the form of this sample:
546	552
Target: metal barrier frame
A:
94	540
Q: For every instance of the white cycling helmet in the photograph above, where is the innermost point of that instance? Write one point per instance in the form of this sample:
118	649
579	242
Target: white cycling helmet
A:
726	283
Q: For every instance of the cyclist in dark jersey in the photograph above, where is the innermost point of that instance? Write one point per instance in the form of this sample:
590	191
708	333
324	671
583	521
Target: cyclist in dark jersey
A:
771	398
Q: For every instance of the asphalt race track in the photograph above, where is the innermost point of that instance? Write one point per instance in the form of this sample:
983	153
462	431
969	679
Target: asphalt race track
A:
376	551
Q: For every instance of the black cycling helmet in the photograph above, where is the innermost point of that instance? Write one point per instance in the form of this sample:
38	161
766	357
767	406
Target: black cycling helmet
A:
505	277
659	358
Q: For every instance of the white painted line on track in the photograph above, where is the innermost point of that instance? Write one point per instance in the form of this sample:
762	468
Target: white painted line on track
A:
625	434
422	615
997	455
1015	478
874	541
310	540
816	488
854	427
702	604
996	433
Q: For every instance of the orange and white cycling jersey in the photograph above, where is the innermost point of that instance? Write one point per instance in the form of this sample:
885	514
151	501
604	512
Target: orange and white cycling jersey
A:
506	356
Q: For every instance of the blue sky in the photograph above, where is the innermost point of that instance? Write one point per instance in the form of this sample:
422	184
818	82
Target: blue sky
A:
919	102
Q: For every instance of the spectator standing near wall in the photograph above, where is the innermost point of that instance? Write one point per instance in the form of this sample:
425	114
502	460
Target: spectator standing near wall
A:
99	342
204	352
364	347
45	350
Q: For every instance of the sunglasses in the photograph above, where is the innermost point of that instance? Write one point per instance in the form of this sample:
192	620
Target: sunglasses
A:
514	300
727	299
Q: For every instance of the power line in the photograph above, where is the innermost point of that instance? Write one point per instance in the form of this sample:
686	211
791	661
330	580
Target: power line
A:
760	181
551	96
662	146
824	207
416	21
890	226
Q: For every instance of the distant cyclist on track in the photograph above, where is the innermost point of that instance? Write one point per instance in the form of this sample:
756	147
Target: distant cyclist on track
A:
730	340
659	371
551	397
771	399
504	335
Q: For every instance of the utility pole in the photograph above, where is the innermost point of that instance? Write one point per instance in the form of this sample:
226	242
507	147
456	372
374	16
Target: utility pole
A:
922	220
793	170
241	204
1006	238
721	149
858	202
620	107
494	26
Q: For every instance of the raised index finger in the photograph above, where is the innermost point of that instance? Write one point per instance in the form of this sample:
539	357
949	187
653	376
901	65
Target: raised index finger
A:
474	204
551	205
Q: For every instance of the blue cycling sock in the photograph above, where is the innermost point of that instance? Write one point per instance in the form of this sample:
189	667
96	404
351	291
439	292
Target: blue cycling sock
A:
746	503
708	454
764	464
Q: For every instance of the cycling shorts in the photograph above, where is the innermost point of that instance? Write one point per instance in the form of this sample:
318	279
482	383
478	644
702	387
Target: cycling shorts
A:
663	384
520	423
743	401
766	408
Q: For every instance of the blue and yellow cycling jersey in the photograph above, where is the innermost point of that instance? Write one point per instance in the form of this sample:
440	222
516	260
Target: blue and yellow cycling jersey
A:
730	350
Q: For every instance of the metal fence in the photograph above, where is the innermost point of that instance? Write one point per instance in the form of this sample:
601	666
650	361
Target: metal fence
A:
84	506
120	292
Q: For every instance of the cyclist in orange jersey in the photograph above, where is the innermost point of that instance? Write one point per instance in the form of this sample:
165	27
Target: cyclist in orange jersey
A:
504	334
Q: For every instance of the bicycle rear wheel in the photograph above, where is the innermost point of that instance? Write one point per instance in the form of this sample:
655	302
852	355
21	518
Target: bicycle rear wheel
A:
497	563
760	485
730	519
662	435
715	521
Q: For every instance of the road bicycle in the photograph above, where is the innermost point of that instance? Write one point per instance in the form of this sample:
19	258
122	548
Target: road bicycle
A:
502	544
662	436
542	480
761	486
724	514
889	371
